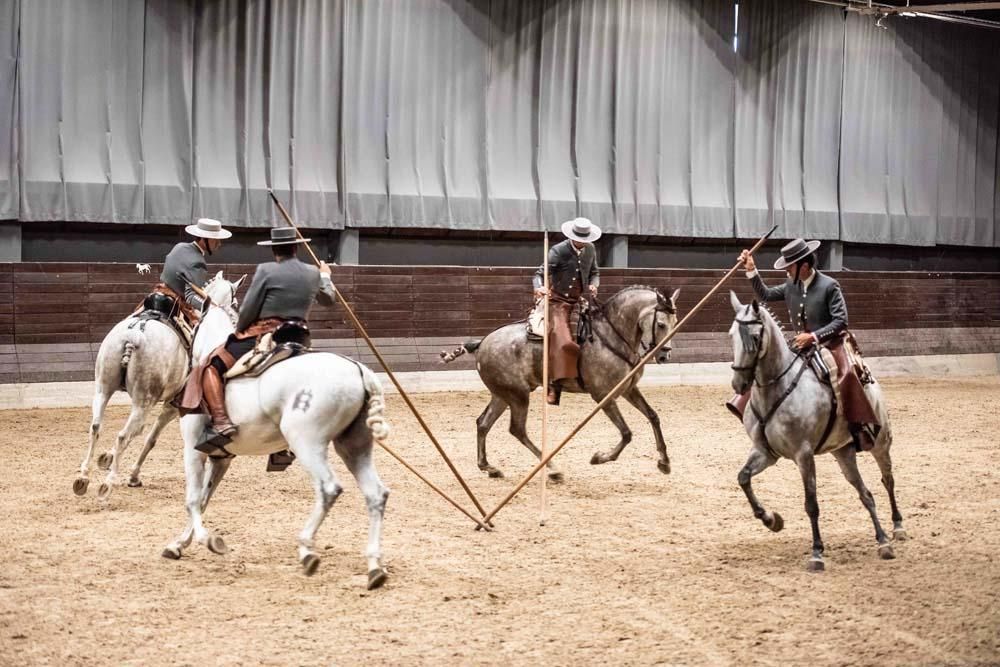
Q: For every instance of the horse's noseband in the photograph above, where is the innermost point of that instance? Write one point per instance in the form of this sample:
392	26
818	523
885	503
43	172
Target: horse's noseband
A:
751	343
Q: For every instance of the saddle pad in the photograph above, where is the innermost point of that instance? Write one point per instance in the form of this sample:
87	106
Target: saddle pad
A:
255	362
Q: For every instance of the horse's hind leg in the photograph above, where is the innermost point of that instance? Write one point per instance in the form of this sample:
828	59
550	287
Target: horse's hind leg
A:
99	405
884	461
166	415
311	453
483	425
756	464
615	415
133	426
848	461
355	448
518	420
639	402
195	465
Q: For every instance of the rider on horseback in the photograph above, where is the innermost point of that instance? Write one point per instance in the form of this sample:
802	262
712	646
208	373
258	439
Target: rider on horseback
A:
572	265
185	266
819	314
281	291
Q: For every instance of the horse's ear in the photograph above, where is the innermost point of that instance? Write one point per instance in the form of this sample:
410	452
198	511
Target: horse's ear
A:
218	276
756	307
239	282
734	300
673	297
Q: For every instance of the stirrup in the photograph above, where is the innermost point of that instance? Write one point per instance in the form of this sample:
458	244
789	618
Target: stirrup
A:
279	461
214	443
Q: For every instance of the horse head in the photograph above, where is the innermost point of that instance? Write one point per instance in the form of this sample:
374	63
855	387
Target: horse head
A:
752	333
218	320
652	314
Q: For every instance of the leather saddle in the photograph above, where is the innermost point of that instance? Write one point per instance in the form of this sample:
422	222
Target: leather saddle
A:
290	339
163	308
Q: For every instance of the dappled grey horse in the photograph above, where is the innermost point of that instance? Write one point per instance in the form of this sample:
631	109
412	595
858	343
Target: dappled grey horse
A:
149	361
798	412
627	326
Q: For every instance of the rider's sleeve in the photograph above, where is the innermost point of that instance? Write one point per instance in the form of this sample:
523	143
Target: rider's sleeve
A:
326	295
838	314
763	292
539	280
253	301
595	271
197	274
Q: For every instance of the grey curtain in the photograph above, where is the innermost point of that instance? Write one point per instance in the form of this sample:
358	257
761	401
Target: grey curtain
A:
9	189
788	98
919	138
502	114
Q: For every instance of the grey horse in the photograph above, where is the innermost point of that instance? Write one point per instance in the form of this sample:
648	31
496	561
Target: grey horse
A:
625	327
796	407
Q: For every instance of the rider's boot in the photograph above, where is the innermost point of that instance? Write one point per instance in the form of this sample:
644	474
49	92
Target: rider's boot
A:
222	430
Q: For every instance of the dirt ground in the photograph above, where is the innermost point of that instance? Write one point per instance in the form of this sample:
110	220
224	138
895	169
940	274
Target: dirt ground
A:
633	567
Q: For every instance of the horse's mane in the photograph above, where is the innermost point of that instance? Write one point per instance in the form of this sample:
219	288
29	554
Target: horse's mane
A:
660	297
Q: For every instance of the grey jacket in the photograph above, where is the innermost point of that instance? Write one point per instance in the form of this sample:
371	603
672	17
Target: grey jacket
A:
566	267
820	311
284	289
185	262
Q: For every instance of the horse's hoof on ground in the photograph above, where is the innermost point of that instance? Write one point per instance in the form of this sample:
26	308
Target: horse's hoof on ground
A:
663	466
135	483
900	535
80	485
104	491
310	563
815	565
598	458
777	523
217	545
556	477
886	552
376	578
173	553
491	471
104	460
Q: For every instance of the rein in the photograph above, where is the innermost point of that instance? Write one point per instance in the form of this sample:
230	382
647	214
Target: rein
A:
633	358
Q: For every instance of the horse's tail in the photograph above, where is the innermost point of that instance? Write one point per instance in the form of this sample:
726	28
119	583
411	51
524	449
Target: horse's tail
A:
448	357
376	421
133	340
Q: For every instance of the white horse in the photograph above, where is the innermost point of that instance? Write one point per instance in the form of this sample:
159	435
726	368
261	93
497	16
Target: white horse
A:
301	404
149	361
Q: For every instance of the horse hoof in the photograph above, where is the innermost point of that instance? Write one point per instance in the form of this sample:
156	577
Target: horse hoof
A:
494	473
104	460
900	535
217	545
598	458
80	485
310	563
556	477
777	523
886	552
376	578
815	565
104	491
663	466
173	553
135	483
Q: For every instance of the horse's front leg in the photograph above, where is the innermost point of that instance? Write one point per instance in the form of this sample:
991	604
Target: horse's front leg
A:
639	402
807	467
615	415
194	476
758	462
484	423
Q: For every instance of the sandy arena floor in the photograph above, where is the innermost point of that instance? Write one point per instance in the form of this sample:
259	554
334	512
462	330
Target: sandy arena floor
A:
634	567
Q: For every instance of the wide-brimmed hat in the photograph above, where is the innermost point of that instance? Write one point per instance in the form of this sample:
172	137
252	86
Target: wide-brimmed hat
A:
283	236
207	228
581	229
795	251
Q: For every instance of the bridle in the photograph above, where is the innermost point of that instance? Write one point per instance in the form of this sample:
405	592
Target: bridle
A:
663	305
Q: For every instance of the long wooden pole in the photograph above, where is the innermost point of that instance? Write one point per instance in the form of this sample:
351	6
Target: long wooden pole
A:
543	512
613	393
371	344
